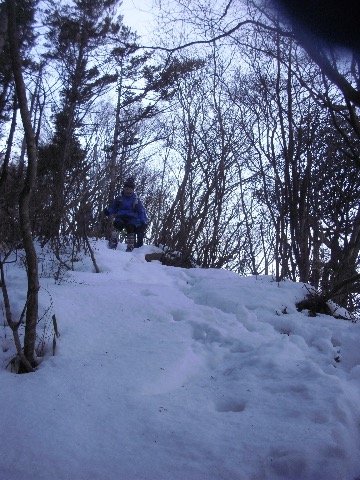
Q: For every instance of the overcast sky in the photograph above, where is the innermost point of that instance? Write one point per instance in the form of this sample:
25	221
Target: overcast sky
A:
138	15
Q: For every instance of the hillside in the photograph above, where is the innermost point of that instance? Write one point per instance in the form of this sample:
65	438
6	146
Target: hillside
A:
163	373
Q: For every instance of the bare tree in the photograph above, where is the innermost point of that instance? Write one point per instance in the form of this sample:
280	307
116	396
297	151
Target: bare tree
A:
25	197
203	212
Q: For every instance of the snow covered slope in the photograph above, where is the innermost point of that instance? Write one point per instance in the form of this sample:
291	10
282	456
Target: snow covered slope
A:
163	373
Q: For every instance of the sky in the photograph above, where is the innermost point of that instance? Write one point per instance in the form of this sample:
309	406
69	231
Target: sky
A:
164	373
139	16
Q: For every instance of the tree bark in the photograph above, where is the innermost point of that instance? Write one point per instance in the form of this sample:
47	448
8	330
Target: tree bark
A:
3	26
4	172
24	201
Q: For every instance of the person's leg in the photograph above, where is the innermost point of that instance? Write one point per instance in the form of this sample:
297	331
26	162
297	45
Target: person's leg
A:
114	236
119	224
113	239
139	237
130	237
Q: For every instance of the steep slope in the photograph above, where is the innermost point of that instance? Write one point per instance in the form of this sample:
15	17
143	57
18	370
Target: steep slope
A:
163	373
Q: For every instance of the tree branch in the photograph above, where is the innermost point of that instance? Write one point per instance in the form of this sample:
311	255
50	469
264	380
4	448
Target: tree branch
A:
227	33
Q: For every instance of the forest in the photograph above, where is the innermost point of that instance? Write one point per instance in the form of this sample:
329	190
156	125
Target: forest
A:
241	131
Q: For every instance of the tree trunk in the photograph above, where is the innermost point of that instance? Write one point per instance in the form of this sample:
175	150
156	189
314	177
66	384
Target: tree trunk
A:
4	172
31	258
3	26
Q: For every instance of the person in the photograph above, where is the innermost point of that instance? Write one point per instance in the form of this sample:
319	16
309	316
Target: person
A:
140	232
129	214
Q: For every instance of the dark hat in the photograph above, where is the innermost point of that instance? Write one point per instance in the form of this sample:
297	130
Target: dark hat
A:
130	183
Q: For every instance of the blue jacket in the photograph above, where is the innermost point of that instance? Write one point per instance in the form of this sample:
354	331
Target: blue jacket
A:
130	206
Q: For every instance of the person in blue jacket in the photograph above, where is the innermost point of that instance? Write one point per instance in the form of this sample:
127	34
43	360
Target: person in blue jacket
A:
129	215
140	232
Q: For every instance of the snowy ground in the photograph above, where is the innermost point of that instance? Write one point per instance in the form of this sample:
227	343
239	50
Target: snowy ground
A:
163	373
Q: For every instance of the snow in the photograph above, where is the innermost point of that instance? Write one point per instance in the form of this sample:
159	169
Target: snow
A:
163	373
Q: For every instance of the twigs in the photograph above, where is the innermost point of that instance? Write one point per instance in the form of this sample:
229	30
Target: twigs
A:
21	363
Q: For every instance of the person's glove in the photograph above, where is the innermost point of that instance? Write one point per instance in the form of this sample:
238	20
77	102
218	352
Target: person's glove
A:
106	212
